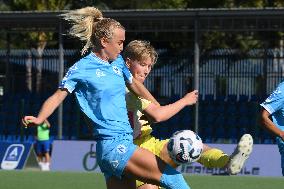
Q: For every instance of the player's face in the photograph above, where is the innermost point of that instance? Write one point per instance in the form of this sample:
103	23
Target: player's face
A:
140	69
114	46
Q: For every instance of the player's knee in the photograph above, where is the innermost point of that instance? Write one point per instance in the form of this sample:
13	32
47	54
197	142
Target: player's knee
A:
172	179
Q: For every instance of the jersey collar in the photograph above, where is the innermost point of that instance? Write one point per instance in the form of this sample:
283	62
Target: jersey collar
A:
98	59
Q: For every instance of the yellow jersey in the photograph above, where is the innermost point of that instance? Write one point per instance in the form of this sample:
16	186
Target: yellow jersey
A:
138	121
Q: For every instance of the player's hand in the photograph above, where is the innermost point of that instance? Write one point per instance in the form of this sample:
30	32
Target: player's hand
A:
191	98
29	121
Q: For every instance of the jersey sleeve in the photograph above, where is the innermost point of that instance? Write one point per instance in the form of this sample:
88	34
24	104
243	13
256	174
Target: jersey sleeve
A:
127	74
275	101
71	78
125	71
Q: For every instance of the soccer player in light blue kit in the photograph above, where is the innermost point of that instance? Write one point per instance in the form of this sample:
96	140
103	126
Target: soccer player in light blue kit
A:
99	85
273	107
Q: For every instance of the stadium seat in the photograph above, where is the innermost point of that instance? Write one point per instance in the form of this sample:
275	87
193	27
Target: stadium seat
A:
11	138
219	134
243	109
220	107
243	121
233	134
231	108
243	98
206	134
231	98
2	138
220	98
209	97
219	121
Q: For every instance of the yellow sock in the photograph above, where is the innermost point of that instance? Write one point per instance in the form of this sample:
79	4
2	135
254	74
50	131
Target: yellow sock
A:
214	158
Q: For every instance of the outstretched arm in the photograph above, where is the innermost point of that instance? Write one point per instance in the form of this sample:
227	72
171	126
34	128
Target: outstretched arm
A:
163	113
47	108
140	90
269	125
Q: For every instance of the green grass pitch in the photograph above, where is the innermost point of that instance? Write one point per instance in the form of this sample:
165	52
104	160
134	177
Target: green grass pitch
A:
75	180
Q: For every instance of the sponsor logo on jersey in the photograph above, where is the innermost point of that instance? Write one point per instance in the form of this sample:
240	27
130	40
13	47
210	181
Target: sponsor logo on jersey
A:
100	73
116	70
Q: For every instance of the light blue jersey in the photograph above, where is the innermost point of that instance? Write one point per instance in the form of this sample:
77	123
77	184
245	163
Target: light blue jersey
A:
274	104
100	90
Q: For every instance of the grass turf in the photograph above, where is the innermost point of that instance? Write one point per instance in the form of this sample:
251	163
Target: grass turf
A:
75	180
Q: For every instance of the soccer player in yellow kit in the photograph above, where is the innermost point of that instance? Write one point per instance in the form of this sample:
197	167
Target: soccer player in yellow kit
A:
140	57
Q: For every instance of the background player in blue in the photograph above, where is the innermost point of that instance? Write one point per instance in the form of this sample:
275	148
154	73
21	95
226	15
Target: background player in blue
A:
99	87
273	107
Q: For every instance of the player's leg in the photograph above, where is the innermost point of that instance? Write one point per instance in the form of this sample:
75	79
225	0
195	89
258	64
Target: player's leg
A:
240	154
39	153
148	186
282	163
210	157
121	158
213	157
157	147
145	166
46	150
165	156
280	144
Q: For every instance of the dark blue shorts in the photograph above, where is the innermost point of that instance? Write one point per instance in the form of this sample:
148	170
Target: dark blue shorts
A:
42	147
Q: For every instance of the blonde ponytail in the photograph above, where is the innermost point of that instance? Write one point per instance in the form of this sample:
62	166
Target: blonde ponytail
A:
83	21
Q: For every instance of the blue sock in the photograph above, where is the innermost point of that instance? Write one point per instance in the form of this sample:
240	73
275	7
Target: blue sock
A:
172	179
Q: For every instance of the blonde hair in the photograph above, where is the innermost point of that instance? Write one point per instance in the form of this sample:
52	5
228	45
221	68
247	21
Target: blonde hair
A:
140	50
89	26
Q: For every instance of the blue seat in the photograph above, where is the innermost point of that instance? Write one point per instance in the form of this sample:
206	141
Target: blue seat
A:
242	131
220	107
2	138
231	108
11	138
255	98
208	120
231	98
233	134
243	108
219	121
209	97
186	122
244	121
232	121
206	133
243	98
219	133
220	98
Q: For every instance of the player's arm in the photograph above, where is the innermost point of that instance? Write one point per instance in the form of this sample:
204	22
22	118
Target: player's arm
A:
47	108
47	123
140	90
163	113
269	125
